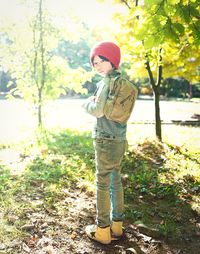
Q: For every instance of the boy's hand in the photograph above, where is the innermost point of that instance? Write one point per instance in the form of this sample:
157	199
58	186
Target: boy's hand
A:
93	98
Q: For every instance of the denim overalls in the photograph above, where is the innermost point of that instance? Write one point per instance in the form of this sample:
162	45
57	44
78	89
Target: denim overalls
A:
109	144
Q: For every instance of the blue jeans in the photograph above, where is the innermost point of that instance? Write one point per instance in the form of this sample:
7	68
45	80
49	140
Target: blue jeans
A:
110	195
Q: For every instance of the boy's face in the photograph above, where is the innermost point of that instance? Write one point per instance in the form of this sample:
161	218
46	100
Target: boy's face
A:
101	66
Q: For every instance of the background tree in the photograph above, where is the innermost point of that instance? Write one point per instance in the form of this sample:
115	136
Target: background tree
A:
151	28
40	74
186	62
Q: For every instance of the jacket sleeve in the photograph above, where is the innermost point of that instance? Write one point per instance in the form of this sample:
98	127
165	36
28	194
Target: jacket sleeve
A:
95	108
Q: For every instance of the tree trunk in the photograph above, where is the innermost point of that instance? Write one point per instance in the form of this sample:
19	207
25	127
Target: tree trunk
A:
39	109
42	62
156	88
190	91
157	113
39	115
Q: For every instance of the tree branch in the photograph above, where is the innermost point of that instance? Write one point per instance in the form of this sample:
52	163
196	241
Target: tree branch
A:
42	50
148	68
159	72
161	4
126	3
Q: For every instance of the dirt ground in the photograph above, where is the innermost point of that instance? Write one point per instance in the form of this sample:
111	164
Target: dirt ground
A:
61	231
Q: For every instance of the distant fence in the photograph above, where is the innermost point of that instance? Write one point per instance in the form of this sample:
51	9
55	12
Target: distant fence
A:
177	122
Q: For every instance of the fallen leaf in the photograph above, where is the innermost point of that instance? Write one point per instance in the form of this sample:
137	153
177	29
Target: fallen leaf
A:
50	250
131	250
27	227
25	248
2	246
33	240
43	241
73	235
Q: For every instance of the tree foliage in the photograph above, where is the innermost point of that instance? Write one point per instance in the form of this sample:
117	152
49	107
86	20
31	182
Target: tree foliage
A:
173	25
77	53
30	57
156	34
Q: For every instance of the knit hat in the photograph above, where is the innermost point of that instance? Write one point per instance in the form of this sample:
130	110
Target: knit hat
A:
109	50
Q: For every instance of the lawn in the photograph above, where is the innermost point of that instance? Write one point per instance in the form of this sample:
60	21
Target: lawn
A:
48	193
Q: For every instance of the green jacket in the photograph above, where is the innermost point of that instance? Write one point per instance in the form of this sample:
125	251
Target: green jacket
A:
104	128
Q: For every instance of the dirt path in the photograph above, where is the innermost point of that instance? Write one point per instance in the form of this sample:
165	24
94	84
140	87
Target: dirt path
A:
63	114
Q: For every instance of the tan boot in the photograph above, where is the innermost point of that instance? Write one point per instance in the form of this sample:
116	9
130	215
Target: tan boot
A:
116	229
98	234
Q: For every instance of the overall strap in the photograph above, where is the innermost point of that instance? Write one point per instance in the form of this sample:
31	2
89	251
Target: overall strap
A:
95	92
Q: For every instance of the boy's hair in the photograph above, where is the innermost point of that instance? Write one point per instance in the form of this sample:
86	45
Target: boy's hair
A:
104	59
109	50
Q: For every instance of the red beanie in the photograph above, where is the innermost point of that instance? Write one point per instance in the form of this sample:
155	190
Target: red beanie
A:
109	50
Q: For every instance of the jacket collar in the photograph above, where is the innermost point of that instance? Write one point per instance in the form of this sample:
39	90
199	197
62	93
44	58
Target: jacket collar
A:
113	73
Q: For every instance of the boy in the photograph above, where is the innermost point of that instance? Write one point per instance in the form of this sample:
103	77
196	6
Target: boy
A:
109	144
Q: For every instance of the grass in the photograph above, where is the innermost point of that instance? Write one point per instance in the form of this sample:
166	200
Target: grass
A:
162	186
187	137
55	163
161	180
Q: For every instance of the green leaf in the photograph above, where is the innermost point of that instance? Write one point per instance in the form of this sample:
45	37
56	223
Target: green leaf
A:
173	2
163	21
170	34
184	13
151	2
195	32
174	36
179	28
169	9
152	41
194	11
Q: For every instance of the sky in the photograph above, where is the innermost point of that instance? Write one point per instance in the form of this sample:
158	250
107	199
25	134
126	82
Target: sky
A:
91	12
